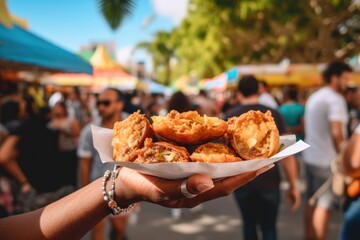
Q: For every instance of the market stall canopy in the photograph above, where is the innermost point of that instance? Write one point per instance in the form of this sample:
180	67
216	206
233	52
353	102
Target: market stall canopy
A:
22	50
152	87
106	73
101	60
302	75
188	84
222	81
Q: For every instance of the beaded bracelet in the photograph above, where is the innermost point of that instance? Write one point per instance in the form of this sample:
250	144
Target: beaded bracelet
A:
109	196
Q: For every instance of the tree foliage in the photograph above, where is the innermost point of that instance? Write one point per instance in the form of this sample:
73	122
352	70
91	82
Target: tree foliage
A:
218	34
114	11
161	50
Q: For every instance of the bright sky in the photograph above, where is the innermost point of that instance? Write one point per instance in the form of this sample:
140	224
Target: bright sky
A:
72	23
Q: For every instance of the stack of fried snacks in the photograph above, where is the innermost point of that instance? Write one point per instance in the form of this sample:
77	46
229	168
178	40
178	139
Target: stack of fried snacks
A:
189	137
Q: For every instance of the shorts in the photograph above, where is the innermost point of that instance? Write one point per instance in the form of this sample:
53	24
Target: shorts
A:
315	177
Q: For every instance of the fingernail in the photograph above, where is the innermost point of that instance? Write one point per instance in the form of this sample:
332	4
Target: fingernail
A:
204	187
262	170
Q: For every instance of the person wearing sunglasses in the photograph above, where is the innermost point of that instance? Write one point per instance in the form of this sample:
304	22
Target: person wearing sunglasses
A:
110	105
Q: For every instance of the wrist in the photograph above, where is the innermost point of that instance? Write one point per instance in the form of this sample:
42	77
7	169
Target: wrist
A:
114	198
294	185
290	185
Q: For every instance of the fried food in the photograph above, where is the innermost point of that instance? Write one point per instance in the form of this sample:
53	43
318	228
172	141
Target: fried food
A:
189	127
160	152
214	153
253	135
129	135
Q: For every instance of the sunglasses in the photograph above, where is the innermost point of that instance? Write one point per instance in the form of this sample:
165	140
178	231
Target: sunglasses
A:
106	103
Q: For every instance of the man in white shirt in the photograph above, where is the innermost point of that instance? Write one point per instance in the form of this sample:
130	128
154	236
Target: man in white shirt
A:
265	98
110	104
326	118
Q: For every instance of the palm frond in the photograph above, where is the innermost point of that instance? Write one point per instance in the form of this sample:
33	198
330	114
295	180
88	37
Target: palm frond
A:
114	11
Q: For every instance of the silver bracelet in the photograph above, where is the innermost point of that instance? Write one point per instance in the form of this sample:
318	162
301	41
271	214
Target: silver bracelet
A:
108	196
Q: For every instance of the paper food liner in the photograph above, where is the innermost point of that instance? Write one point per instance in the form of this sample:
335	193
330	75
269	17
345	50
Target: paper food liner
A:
102	143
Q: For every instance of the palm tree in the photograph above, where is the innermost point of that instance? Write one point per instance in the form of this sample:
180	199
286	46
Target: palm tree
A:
162	49
114	11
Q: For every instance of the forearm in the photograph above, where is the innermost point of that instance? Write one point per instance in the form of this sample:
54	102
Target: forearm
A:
337	134
69	218
15	171
351	160
296	130
85	165
291	170
74	215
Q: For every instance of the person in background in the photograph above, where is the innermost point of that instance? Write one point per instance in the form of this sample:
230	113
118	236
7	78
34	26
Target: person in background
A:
259	200
231	101
9	120
152	109
351	206
206	105
74	104
265	98
293	112
68	130
6	191
326	118
180	102
130	107
352	96
35	157
110	104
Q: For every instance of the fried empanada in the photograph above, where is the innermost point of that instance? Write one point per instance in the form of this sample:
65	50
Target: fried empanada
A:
253	135
130	135
188	128
160	152
214	153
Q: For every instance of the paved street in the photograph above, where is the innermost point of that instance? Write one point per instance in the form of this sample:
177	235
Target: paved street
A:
218	219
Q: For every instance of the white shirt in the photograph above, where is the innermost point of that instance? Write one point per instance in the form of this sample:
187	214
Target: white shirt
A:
268	100
323	107
357	129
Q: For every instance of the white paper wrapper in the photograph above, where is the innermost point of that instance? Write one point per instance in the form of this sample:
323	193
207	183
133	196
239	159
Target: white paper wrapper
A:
102	142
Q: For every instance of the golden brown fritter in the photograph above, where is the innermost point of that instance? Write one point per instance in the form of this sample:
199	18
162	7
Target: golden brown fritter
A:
214	153
254	135
160	152
188	128
130	135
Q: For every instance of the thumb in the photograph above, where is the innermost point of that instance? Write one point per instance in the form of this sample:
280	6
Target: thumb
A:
199	183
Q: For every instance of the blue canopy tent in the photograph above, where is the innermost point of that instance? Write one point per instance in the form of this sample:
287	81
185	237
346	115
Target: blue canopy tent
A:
22	50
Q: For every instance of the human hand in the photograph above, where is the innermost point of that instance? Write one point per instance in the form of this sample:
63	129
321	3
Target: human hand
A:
132	186
25	187
294	198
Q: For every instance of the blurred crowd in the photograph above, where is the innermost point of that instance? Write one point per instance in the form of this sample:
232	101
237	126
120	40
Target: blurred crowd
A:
46	149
